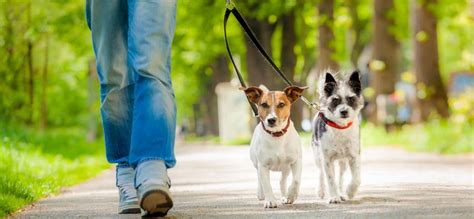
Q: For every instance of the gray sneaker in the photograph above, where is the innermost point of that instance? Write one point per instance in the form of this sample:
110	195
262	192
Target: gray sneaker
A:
153	188
128	200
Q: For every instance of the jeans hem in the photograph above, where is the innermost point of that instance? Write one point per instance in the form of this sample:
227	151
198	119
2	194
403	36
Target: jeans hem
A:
154	158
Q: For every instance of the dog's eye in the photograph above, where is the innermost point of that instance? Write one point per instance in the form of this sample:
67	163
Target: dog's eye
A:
264	105
281	105
335	102
351	99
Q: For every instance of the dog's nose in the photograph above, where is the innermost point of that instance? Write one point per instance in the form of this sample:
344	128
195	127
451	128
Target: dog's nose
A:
271	121
344	113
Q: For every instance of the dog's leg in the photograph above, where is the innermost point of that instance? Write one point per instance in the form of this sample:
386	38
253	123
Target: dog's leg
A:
322	183
354	164
264	176
260	194
334	196
319	165
295	184
283	180
342	170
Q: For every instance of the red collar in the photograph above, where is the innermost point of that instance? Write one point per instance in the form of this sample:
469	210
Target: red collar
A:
333	124
279	133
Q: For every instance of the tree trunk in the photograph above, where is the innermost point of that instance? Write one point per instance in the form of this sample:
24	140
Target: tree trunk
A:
385	52
259	71
31	82
358	27
431	92
326	36
44	83
288	60
220	73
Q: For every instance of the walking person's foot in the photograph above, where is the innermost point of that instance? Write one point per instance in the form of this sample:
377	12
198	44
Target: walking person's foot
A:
153	188
128	199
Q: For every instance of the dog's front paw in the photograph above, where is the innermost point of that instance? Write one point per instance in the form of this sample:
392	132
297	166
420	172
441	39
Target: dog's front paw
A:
352	190
287	200
270	203
336	200
292	196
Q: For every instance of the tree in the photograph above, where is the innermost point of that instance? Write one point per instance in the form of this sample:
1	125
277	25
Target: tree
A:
258	70
385	50
44	87
288	59
220	73
431	92
326	36
359	29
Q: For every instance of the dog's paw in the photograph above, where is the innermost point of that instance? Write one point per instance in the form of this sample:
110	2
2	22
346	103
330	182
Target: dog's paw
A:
352	190
260	197
270	204
350	195
287	201
336	200
290	198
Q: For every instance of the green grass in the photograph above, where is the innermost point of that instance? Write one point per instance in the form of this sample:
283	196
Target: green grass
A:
439	136
34	165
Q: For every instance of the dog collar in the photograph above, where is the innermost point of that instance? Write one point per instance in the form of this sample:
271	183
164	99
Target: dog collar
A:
279	133
333	124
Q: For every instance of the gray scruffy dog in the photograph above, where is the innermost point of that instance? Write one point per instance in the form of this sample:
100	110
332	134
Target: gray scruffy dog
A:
336	133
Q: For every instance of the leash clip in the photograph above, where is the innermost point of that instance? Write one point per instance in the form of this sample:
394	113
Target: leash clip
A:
311	104
230	5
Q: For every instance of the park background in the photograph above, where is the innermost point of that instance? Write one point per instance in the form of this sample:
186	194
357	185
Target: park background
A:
50	132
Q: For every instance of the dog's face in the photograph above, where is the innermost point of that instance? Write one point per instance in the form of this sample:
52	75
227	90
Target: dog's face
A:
341	100
274	106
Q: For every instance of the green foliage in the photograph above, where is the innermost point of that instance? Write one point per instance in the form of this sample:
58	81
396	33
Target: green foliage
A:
61	47
455	37
35	165
198	42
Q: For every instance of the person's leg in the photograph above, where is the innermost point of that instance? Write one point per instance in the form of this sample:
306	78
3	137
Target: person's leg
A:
108	21
151	30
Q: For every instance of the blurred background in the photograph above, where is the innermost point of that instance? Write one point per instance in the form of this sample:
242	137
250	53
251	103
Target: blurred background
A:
416	59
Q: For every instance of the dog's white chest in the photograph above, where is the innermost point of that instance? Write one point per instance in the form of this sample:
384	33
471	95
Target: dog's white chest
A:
278	161
341	144
277	154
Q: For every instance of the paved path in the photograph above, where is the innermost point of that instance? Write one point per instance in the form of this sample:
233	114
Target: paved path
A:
215	182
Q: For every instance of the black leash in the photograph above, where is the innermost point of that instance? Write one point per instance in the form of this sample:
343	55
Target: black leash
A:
231	9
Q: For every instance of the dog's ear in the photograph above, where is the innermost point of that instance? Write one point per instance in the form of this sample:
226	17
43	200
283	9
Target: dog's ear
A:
354	83
294	92
329	84
253	93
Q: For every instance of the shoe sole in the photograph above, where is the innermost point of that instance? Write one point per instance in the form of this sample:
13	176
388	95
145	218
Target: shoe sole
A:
156	203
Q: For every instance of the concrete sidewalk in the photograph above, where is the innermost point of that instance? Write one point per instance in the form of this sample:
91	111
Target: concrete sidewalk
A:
220	181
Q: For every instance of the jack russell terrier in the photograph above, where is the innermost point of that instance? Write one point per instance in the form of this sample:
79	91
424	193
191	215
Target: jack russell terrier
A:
336	134
275	143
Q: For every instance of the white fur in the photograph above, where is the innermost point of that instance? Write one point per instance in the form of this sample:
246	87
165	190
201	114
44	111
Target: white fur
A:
282	154
338	145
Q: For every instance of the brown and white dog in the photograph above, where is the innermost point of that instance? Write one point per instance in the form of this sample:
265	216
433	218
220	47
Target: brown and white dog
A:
275	143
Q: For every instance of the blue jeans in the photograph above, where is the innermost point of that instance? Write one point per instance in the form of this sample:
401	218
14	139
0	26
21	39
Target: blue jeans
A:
132	42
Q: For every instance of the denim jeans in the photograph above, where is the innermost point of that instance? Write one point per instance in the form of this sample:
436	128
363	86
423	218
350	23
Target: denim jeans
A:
132	43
